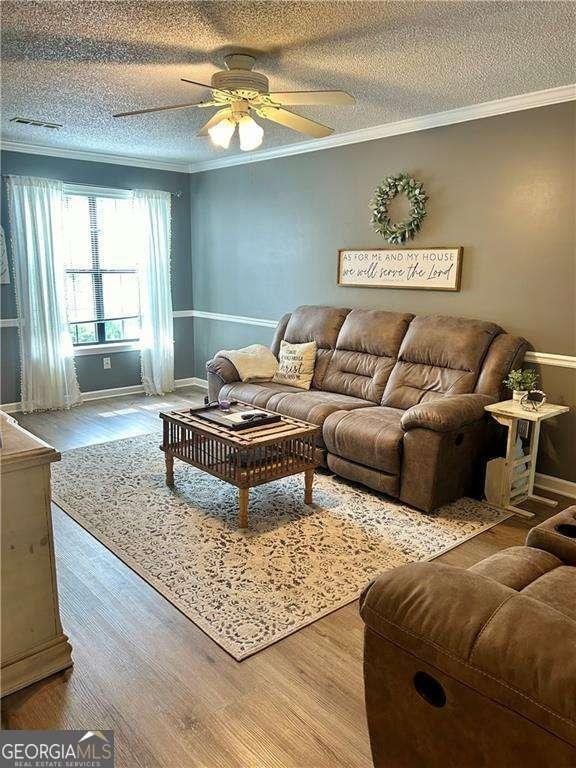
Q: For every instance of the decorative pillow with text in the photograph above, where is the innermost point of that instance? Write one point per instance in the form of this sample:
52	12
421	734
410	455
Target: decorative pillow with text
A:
296	364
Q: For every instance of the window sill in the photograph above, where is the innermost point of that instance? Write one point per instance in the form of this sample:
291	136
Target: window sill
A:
106	349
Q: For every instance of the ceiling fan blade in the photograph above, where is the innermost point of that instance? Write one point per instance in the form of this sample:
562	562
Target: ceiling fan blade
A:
214	120
158	109
203	85
331	98
295	122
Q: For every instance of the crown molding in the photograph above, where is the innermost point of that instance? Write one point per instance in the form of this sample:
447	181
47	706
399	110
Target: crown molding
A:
93	157
410	125
503	106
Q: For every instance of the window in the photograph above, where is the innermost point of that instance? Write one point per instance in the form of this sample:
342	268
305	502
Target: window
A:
102	281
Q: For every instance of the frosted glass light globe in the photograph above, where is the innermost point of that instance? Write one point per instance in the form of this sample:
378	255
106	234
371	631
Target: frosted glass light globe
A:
221	133
251	134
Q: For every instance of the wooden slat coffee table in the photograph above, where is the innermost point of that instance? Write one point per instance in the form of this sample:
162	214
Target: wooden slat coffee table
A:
246	458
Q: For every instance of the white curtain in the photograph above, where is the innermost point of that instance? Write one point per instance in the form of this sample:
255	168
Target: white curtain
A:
152	218
36	209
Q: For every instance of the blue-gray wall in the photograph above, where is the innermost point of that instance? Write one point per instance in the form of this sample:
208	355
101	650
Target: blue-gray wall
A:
265	238
258	240
125	370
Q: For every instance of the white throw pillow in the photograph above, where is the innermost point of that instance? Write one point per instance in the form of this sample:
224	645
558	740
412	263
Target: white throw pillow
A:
296	364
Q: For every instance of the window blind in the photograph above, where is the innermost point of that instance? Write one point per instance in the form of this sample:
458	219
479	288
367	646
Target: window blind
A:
102	281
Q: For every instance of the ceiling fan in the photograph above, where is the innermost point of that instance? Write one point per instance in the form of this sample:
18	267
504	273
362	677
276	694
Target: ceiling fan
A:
238	90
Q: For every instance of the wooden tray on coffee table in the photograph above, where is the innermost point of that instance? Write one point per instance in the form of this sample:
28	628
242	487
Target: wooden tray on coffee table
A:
245	459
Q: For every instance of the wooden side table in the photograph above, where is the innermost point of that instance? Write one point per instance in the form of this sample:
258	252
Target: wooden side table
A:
505	487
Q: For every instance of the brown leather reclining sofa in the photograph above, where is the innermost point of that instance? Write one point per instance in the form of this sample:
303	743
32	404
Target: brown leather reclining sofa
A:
400	398
476	668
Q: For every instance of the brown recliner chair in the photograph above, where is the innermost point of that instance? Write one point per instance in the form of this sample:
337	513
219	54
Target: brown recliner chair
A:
476	668
399	399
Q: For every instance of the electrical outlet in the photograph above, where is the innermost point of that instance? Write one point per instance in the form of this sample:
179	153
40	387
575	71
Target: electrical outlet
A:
106	362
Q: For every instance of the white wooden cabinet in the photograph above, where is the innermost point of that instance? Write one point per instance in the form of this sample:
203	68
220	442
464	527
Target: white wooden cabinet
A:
33	644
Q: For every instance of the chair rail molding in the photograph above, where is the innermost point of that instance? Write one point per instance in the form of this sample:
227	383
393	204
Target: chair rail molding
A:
242	319
547	358
541	358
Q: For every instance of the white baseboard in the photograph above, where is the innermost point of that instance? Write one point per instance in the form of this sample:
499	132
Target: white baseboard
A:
11	407
194	381
101	394
555	485
544	482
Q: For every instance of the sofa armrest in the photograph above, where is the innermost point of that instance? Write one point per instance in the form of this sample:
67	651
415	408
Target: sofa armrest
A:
446	414
482	633
432	608
219	371
557	535
223	368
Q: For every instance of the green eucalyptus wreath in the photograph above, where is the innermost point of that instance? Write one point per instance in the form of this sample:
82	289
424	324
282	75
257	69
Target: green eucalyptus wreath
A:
391	186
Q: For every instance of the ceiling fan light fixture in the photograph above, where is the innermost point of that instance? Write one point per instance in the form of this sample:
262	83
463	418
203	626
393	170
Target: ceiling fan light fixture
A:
221	133
239	90
251	134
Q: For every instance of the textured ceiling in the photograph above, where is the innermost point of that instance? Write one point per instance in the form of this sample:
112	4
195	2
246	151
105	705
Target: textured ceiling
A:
76	63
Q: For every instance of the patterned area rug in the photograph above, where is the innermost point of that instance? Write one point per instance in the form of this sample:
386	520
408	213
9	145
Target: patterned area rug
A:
248	588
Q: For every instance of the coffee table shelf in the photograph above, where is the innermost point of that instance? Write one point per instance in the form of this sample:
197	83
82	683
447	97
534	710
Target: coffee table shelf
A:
244	459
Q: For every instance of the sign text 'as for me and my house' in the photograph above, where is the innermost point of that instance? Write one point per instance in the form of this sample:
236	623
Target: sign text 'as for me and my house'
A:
429	268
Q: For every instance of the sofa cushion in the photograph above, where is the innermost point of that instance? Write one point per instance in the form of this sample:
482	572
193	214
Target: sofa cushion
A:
516	567
257	394
366	350
313	406
438	356
319	324
557	588
359	473
369	436
535	573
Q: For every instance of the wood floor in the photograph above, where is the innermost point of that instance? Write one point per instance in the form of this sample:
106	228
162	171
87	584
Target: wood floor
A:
172	696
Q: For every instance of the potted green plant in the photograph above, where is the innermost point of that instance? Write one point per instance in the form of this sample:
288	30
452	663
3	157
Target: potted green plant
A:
521	382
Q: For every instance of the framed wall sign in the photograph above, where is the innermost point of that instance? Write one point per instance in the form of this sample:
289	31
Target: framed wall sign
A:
432	269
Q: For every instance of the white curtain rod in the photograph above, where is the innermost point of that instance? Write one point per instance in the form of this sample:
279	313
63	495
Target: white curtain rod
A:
92	187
